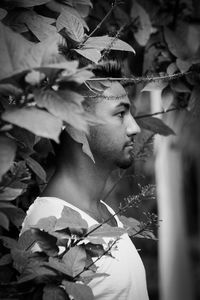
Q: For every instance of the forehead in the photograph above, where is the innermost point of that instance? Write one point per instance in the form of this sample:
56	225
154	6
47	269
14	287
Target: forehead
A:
113	96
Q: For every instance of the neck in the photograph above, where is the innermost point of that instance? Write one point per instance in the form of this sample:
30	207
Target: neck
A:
79	180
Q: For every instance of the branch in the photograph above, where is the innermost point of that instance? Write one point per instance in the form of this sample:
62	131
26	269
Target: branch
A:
114	4
157	113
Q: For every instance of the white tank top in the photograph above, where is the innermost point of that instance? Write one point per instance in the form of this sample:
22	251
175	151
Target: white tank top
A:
126	280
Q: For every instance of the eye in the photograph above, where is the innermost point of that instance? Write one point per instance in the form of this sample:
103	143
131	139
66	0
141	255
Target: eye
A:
121	114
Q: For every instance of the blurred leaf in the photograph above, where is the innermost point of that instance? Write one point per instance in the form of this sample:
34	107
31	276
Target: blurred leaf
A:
79	291
105	41
167	98
35	120
16	215
28	3
73	26
8	89
20	259
80	76
3	13
144	28
9	194
54	292
46	241
36	168
70	219
7	154
155	125
5	204
92	54
75	260
155	85
4	221
64	104
8	242
5	259
180	86
106	231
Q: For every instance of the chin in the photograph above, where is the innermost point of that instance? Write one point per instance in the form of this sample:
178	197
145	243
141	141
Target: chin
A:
125	163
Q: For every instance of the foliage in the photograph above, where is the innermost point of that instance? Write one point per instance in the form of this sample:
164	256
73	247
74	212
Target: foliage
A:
48	49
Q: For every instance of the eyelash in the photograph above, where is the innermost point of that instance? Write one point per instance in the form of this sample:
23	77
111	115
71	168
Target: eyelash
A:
121	114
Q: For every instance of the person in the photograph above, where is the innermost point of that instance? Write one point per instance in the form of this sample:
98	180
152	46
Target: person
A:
78	183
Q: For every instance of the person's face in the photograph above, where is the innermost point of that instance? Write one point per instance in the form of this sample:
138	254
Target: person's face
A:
112	142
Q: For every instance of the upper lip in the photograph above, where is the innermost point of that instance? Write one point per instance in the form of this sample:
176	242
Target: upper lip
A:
129	144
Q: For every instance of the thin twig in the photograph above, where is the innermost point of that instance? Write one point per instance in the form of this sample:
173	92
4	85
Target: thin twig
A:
157	113
99	25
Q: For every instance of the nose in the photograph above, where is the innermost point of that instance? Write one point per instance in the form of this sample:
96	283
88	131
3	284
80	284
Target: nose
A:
132	127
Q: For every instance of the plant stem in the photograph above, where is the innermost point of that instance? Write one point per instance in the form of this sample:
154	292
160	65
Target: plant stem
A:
157	113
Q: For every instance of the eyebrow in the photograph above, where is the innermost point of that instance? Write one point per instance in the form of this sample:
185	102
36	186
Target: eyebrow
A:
125	104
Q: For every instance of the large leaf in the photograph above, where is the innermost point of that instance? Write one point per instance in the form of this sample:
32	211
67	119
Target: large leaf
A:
54	292
7	154
46	242
65	104
59	266
73	26
47	224
36	168
105	41
70	219
144	27
156	125
92	54
8	89
9	194
106	231
78	291
26	240
75	260
35	120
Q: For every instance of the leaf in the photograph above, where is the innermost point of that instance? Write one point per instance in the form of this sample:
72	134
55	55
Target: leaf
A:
53	292
155	85
36	168
16	215
65	104
3	13
106	231
80	137
73	26
155	125
75	260
194	97
94	250
79	77
47	224
176	42
46	242
183	65
26	239
4	222
28	3
78	291
35	120
70	219
9	194
172	68
105	41
59	266
92	54
8	89
5	204
7	154
167	98
34	77
8	242
5	259
144	28
180	86
20	259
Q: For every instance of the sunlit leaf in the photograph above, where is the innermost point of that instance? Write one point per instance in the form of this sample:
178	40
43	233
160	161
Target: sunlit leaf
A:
36	168
79	291
9	194
54	292
34	77
105	41
35	120
4	221
46	242
7	154
155	125
155	85
75	260
167	98
143	31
